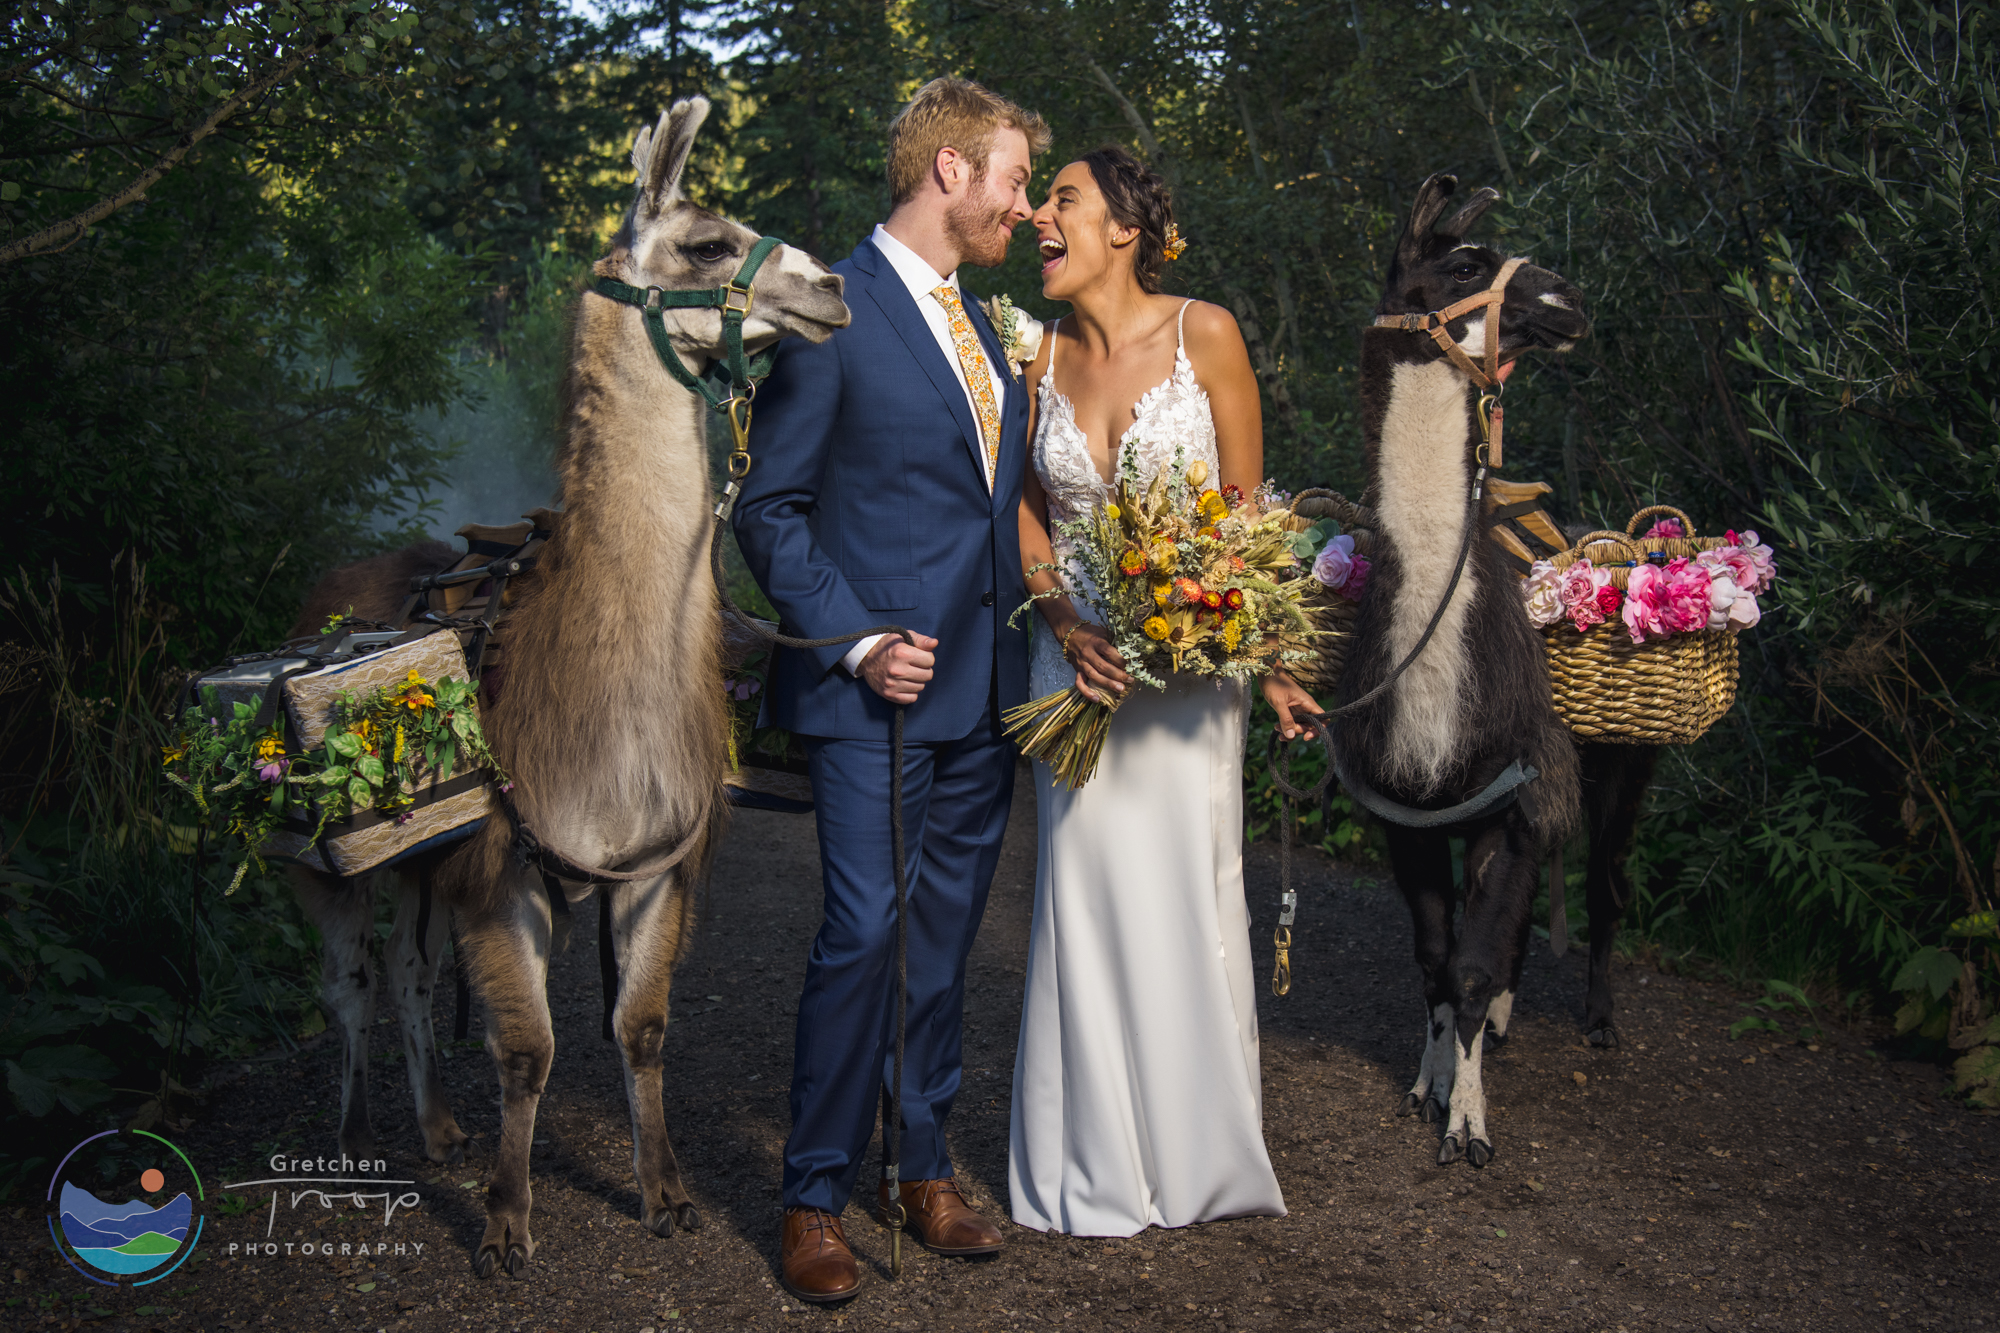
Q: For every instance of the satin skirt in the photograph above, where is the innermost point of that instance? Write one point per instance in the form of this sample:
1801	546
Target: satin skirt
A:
1138	1099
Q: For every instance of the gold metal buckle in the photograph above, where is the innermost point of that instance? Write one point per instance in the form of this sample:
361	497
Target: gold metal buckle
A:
1281	975
731	293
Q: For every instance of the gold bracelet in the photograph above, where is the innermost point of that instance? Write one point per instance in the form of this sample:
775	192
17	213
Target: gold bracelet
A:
1062	644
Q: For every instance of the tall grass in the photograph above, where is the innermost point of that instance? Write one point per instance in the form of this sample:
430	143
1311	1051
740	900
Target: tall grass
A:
125	968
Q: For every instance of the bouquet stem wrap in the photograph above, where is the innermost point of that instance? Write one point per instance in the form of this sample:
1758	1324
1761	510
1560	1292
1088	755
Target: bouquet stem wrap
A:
1064	730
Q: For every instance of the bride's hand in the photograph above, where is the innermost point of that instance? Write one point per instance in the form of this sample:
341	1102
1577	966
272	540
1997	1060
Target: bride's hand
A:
1289	700
1098	663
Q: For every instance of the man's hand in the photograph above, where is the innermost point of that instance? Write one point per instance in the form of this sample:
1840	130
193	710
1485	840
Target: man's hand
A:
897	671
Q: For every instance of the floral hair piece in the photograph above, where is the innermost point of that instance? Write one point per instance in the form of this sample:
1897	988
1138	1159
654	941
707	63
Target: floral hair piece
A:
1175	245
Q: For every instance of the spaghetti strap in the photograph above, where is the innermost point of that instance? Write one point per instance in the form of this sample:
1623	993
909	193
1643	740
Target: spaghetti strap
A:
1180	333
1050	373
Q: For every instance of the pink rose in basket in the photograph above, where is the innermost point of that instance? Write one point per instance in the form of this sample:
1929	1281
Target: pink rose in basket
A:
1687	594
1579	595
1734	561
1758	569
1357	579
1666	527
1727	569
1644	612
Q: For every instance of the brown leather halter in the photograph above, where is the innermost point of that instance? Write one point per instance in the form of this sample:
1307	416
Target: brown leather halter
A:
1434	324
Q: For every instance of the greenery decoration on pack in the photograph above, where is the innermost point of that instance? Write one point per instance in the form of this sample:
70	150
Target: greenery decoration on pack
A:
1186	578
381	750
742	689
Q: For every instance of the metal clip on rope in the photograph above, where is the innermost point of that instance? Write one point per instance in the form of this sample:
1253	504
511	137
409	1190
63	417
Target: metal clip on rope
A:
1288	898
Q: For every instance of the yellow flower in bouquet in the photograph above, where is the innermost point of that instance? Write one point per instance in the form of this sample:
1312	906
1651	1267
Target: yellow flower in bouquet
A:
1185	578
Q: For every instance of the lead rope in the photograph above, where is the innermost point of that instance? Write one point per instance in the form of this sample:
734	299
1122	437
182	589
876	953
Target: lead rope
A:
1288	898
1281	975
737	411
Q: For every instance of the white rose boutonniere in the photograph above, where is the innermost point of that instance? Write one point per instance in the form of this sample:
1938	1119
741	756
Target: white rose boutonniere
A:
1020	337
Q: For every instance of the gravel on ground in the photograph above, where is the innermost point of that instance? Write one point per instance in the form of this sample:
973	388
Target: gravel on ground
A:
1684	1181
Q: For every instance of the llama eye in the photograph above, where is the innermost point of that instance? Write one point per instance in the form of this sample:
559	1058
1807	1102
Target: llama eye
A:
708	252
1466	272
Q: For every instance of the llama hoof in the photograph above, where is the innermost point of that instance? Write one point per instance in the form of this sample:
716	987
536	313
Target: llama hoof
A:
449	1153
1433	1111
1604	1038
690	1220
489	1260
1449	1150
1408	1106
1479	1152
1495	1040
661	1224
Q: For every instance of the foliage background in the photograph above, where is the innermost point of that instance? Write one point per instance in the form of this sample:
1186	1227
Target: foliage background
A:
333	318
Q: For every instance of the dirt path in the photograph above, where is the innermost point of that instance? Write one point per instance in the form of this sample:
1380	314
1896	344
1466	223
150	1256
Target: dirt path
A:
1684	1182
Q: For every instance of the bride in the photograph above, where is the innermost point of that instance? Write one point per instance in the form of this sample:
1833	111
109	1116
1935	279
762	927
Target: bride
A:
1137	1095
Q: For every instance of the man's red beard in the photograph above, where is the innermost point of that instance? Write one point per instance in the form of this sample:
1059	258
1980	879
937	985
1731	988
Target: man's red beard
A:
979	230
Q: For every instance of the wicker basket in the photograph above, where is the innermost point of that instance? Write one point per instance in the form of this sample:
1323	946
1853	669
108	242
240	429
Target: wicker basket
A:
1662	692
1334	615
1326	610
1607	688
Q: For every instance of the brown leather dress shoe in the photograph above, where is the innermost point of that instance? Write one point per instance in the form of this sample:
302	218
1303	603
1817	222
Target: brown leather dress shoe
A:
815	1264
940	1218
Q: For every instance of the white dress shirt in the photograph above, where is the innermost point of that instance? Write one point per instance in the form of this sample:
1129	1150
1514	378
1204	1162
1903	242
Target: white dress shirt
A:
923	281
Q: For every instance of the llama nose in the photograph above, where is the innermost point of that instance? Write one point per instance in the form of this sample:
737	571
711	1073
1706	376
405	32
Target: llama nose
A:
831	282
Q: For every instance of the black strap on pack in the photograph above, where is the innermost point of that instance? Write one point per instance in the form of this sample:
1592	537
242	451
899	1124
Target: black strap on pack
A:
1496	795
1508	516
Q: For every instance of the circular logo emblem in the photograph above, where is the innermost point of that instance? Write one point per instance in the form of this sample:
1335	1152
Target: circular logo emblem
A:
112	1235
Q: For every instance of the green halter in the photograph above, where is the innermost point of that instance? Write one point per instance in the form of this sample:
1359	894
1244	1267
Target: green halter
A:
735	373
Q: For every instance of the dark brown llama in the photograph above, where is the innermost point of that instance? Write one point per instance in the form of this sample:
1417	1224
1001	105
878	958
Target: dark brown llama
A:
1477	699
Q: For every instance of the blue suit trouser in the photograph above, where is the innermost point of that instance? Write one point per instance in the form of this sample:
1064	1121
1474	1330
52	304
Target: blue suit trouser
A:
956	796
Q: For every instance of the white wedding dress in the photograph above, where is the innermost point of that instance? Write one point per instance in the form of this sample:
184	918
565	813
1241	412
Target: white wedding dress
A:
1137	1095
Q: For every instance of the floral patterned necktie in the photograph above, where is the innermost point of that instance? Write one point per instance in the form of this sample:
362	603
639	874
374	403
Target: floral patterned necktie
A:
972	360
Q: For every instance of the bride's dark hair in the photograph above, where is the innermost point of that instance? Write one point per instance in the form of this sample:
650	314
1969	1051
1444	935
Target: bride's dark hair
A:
1135	196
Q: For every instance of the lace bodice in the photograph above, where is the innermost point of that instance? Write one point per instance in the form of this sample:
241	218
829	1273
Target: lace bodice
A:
1172	416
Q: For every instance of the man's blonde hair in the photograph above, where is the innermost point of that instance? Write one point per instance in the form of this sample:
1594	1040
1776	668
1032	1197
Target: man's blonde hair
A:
953	113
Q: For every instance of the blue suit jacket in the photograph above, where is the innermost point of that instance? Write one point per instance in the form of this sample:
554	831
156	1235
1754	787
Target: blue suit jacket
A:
867	505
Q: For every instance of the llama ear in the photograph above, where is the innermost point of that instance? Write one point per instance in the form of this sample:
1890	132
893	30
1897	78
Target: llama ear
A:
1475	208
660	155
1432	196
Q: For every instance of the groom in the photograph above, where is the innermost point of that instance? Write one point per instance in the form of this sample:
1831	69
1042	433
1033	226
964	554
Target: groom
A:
885	492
